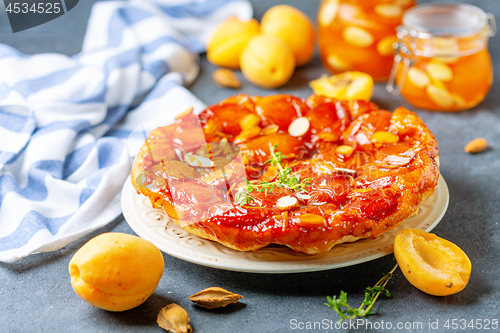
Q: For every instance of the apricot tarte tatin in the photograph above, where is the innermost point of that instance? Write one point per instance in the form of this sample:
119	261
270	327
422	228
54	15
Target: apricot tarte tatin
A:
320	171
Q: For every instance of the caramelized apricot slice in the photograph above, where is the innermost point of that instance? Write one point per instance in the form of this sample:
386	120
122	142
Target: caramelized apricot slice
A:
259	147
333	192
323	117
242	99
430	263
229	115
374	204
281	110
357	108
361	130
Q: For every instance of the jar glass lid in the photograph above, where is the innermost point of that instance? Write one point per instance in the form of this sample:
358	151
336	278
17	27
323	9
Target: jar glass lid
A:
445	19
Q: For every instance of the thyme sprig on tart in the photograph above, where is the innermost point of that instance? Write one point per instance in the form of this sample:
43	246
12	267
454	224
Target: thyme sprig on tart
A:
284	179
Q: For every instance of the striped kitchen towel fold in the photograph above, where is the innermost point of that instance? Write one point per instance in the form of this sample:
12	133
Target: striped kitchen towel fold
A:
62	163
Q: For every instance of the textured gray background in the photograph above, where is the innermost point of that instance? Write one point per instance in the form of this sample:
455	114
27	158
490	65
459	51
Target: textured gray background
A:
36	295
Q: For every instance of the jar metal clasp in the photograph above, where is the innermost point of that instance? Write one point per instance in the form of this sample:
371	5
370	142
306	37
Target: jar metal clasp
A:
403	54
492	24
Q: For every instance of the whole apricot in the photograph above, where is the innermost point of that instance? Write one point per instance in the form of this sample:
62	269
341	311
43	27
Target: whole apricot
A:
228	40
267	61
116	271
430	263
294	28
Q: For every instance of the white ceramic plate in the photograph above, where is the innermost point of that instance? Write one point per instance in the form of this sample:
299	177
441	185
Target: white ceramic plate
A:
156	227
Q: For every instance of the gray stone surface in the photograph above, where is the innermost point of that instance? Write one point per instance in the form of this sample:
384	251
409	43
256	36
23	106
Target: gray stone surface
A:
36	295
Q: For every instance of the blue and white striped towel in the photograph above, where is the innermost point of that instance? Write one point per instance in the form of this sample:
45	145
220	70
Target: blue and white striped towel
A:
62	163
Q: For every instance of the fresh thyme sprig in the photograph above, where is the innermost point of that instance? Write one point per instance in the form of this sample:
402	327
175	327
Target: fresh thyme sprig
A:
241	197
285	178
365	309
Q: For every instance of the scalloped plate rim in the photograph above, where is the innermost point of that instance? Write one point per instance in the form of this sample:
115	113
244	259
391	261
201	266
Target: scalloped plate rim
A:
230	263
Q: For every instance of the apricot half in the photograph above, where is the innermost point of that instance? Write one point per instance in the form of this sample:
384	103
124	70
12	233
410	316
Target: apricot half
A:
344	86
430	263
116	271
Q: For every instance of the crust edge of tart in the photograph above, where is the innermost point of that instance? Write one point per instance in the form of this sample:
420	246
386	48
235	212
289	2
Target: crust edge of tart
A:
199	232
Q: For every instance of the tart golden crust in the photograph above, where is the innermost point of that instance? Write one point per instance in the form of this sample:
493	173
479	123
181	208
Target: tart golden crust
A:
369	170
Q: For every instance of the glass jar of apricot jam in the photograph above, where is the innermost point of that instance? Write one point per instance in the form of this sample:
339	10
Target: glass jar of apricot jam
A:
442	61
358	35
